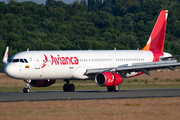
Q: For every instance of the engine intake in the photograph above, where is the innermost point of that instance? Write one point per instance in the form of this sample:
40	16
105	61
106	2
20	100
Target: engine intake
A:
108	79
42	83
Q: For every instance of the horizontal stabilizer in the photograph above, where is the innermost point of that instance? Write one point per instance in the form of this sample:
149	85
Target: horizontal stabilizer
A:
166	58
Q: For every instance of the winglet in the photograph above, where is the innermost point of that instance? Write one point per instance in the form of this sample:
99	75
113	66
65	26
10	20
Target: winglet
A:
5	59
157	38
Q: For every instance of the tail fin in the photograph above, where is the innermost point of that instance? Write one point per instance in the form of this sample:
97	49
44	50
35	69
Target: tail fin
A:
157	38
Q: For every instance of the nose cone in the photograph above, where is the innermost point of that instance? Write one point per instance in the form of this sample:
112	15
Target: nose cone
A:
10	70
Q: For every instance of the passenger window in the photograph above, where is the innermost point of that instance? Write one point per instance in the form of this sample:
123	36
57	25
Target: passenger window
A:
15	60
21	60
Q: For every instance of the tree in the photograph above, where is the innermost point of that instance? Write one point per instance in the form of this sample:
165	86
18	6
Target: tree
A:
95	24
50	2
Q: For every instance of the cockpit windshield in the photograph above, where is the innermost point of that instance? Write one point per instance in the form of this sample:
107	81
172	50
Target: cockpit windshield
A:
15	60
21	60
18	60
25	61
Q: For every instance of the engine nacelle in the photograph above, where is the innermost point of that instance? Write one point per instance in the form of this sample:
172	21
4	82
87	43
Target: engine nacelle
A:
108	79
42	83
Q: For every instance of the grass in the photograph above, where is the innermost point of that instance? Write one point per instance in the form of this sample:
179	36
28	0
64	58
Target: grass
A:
87	87
11	85
91	85
128	109
136	109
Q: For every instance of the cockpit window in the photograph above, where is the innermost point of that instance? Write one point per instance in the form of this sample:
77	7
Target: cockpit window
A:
21	60
18	60
25	61
15	60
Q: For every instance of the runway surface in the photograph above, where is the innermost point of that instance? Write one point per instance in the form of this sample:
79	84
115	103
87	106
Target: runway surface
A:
85	95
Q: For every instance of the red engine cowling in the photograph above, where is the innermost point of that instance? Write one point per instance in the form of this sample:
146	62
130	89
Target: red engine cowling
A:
108	79
42	83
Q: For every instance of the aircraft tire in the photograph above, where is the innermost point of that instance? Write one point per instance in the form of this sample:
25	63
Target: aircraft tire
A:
71	87
116	88
26	90
110	89
66	88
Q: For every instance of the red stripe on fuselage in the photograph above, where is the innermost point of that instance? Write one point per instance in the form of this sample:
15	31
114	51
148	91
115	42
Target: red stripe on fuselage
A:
157	55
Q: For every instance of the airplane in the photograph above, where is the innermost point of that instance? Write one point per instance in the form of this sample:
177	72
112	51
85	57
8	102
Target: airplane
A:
107	67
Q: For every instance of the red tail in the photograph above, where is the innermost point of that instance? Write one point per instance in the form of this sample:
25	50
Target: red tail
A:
157	38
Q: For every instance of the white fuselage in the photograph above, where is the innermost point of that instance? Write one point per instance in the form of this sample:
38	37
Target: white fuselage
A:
71	64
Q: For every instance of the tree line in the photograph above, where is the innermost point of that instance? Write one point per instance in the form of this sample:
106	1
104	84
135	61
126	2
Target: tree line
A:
84	25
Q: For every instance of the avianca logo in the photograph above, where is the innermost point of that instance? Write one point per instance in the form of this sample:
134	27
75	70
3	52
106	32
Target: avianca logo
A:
60	60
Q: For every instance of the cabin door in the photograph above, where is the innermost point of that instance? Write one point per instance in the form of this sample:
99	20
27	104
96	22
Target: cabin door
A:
36	60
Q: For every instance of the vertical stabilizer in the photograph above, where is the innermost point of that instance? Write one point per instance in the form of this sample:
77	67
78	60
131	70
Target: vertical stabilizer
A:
5	59
157	38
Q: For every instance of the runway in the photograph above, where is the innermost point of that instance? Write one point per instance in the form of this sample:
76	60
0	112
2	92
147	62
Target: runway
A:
88	95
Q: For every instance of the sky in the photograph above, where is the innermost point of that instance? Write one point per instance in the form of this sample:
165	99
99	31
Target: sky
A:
39	1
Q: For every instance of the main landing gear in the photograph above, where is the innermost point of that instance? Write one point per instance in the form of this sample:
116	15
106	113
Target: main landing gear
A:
27	88
68	87
113	88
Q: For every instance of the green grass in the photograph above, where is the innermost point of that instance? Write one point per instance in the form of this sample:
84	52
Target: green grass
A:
90	85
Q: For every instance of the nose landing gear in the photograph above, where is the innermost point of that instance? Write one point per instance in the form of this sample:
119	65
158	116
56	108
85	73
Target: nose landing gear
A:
27	88
68	87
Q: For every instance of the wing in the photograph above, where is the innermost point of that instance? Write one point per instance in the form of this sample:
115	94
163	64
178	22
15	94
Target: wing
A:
137	67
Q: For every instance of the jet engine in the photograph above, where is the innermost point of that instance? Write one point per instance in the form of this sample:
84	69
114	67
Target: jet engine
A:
108	79
42	83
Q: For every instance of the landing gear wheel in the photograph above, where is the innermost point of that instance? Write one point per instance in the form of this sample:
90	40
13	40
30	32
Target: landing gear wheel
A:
26	90
71	87
113	88
66	88
116	88
27	84
110	89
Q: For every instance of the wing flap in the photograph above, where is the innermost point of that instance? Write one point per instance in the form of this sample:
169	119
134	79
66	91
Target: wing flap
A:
150	65
92	71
